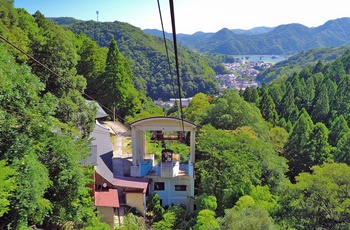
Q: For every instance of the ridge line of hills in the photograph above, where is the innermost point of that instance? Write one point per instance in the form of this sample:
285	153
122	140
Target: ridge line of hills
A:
284	39
143	49
287	39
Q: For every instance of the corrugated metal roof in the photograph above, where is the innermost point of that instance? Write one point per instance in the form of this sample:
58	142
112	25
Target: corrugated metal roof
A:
100	112
107	198
129	182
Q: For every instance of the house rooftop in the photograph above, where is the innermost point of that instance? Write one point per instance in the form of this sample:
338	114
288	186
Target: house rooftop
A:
100	112
107	198
130	182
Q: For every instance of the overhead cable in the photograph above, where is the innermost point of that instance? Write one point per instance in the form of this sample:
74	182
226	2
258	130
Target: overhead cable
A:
171	3
50	70
166	47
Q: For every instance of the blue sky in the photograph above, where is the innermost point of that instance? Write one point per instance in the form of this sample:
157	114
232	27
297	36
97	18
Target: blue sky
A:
195	15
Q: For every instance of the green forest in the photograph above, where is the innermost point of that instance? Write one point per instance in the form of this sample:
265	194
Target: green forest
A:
153	71
272	157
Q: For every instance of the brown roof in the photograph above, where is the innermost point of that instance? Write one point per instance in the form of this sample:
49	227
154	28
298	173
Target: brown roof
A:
107	198
129	182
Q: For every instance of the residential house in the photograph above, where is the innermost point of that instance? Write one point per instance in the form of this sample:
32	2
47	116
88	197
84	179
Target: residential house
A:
114	194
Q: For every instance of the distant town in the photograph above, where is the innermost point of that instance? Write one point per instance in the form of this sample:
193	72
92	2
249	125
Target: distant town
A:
243	73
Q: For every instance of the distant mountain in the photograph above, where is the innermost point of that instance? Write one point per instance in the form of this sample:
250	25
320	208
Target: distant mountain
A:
223	35
204	35
159	33
253	31
184	40
281	40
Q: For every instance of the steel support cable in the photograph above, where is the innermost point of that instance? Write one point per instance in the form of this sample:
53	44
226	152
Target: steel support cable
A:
171	3
166	47
51	71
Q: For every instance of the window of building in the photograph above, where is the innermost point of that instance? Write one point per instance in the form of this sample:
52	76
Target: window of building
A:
180	187
158	185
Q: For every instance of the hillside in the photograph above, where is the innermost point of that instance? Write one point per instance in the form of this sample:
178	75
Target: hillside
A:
296	62
148	59
150	64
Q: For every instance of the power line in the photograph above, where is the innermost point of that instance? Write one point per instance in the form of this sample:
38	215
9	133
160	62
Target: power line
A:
53	72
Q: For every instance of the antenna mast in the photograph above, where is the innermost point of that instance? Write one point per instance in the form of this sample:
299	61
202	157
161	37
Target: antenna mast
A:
97	14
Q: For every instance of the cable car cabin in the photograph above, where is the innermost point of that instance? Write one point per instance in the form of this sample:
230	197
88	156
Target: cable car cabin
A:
159	135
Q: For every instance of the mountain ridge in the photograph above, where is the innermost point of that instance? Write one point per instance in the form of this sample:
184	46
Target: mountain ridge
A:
285	39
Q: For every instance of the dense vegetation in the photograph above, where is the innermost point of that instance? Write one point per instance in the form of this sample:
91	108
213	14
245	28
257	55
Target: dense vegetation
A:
272	157
148	59
315	102
296	62
298	176
46	121
43	181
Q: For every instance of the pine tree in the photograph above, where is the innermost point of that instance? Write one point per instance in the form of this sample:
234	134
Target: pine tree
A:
305	73
342	152
320	112
338	128
287	103
299	159
318	147
318	80
331	88
276	94
298	90
341	102
318	67
294	114
251	95
309	94
268	109
120	96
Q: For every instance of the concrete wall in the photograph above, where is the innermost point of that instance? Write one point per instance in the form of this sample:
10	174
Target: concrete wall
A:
136	200
107	215
170	196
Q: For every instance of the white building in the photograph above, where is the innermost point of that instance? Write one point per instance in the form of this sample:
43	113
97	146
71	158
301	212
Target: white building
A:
174	182
185	101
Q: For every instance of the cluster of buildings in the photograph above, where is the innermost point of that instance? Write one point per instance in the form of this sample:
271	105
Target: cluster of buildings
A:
243	73
125	176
